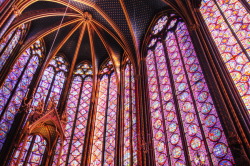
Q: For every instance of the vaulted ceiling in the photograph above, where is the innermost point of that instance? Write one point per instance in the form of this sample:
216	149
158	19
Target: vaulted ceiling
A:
91	30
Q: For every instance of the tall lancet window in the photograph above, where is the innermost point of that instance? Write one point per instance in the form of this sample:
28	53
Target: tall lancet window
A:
185	126
104	139
129	116
229	24
16	86
77	112
52	81
10	42
30	151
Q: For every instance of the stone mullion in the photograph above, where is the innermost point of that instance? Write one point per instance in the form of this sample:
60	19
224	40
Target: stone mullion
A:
105	120
139	106
120	120
91	121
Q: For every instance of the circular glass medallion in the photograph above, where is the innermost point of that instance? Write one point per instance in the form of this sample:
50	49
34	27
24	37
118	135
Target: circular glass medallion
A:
158	135
225	163
187	106
160	147
166	88
210	120
199	86
180	78
202	96
170	116
172	127
177	152
169	106
167	96
176	62
220	150
192	130
190	117
156	114
195	143
156	104
193	68
154	96
182	87
180	163
184	96
214	134
163	72
177	70
162	159
196	77
157	124
153	88
190	60
174	139
206	108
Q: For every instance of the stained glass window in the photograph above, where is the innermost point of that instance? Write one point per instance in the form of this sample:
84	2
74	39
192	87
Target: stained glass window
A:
10	42
16	86
229	24
130	133
185	126
52	81
30	151
103	149
77	112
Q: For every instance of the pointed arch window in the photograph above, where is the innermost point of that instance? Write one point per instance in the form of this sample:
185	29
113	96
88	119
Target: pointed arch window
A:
129	114
104	139
77	112
10	42
52	81
16	86
30	151
185	125
229	24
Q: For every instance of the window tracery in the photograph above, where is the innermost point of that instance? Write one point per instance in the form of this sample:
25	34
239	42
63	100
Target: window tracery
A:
130	122
10	42
229	24
52	81
77	112
185	124
30	151
16	86
104	139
